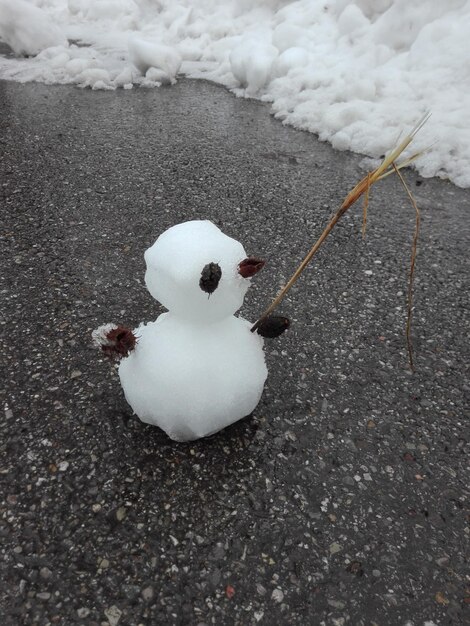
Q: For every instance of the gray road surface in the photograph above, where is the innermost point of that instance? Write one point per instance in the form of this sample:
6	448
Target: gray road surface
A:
341	500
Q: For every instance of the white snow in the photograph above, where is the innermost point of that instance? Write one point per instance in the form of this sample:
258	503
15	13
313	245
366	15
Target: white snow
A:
355	72
99	335
27	29
165	61
198	368
174	266
251	63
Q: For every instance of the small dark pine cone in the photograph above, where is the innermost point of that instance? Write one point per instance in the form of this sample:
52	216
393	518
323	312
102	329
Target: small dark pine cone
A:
250	266
273	326
115	341
210	277
124	341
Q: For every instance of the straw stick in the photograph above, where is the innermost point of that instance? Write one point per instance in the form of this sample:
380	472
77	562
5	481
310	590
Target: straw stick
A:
387	167
338	215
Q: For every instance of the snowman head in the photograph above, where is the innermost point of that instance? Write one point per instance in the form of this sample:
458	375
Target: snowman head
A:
193	270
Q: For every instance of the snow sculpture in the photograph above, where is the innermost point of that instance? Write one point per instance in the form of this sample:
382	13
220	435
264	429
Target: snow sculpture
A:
197	368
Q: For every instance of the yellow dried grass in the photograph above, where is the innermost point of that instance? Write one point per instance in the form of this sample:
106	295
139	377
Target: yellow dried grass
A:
387	167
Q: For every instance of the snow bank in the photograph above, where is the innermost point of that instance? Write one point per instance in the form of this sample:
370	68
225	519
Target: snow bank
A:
355	72
27	29
163	61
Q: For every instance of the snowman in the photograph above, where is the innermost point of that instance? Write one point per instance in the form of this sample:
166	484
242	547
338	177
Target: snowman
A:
197	368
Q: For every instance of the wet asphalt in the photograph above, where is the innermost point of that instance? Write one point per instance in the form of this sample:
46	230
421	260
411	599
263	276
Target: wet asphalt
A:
341	500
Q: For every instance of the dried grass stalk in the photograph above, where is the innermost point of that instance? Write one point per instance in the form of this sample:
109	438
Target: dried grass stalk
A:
387	167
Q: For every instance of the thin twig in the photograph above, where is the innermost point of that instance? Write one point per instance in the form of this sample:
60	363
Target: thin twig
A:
386	163
412	269
362	187
406	162
338	215
366	206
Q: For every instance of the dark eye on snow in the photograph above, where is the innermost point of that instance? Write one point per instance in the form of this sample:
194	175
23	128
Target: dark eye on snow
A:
210	277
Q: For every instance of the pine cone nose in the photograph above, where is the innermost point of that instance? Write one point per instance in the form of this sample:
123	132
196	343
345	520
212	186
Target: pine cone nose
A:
250	266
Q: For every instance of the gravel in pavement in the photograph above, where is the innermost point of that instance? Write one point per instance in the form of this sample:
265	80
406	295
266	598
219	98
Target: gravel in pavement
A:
341	500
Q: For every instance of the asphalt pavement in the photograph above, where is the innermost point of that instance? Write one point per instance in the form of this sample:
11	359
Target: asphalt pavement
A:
341	500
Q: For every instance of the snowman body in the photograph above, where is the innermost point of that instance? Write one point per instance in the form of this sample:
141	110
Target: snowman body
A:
197	368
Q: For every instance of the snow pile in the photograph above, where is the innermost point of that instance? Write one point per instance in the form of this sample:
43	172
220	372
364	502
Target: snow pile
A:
27	29
355	72
252	63
197	368
163	62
